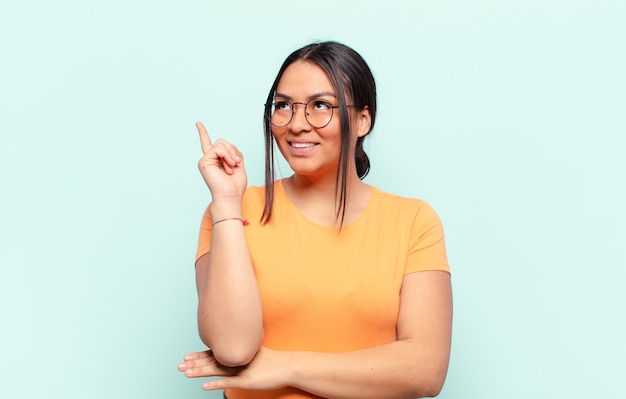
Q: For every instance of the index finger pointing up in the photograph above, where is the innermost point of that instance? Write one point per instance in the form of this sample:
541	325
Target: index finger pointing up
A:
205	140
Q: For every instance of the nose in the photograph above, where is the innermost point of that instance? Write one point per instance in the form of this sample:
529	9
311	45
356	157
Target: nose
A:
299	123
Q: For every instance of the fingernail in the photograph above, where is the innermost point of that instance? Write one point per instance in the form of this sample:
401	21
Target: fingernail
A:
189	372
187	357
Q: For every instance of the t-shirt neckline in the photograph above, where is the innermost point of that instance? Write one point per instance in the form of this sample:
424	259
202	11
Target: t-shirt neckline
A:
282	192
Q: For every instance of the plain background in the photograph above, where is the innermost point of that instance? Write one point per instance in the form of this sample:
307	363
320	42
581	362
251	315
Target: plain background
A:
507	116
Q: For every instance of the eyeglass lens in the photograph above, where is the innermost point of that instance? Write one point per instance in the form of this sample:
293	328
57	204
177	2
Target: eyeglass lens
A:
317	112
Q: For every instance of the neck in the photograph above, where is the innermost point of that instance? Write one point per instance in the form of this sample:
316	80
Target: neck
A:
319	199
321	187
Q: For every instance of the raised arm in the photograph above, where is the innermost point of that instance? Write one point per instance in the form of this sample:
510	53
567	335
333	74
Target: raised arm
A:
229	307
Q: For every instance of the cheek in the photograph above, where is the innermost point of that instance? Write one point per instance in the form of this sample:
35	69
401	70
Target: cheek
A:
279	132
331	134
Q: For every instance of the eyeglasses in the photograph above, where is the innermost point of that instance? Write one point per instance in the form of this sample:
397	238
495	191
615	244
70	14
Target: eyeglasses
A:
318	113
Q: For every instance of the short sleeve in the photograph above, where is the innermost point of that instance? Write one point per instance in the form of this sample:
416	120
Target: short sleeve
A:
204	239
427	248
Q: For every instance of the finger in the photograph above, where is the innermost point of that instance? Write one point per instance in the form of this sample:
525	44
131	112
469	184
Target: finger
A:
191	364
228	155
195	358
230	169
198	355
228	150
205	139
199	359
223	383
211	369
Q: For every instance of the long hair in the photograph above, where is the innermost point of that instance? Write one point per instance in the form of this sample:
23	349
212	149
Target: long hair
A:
348	74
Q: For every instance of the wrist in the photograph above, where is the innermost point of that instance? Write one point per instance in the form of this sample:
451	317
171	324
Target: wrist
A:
224	209
293	370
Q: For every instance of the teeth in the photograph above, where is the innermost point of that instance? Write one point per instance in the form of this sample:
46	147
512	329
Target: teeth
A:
302	145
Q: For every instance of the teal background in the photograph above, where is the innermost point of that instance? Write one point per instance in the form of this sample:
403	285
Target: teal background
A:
507	116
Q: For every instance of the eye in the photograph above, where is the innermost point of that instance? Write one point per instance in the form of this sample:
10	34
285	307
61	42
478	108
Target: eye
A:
320	105
282	105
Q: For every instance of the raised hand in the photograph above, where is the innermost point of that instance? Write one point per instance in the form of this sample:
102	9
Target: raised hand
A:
222	167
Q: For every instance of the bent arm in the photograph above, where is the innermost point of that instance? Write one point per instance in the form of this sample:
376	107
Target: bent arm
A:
230	318
414	366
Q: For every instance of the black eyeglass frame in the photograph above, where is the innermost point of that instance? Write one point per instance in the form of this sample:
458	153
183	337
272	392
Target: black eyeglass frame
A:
306	115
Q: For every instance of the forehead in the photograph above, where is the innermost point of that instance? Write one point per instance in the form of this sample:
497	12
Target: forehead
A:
304	78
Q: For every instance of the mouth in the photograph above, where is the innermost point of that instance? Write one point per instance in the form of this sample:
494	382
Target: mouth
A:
301	145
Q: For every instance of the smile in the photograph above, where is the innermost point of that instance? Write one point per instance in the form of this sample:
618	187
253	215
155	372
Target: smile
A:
301	145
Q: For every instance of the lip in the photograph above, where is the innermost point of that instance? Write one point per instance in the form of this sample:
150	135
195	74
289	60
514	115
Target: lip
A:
301	147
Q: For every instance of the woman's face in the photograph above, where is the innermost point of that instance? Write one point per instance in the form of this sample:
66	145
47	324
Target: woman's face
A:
310	151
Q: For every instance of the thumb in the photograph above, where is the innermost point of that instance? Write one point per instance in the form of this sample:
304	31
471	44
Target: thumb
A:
222	383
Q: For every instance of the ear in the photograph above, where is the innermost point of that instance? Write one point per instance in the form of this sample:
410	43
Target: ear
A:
364	121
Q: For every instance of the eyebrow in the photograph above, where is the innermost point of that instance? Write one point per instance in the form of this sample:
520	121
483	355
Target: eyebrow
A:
316	95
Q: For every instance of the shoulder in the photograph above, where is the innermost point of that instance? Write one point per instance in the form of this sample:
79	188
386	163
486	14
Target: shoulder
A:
405	214
253	192
256	194
253	198
410	207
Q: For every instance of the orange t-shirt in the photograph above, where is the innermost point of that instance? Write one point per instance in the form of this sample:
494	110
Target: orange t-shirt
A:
329	291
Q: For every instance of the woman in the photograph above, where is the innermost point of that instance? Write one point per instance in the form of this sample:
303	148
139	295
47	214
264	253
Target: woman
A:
318	285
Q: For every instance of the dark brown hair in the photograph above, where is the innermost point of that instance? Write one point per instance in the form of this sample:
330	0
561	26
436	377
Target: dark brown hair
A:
349	74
